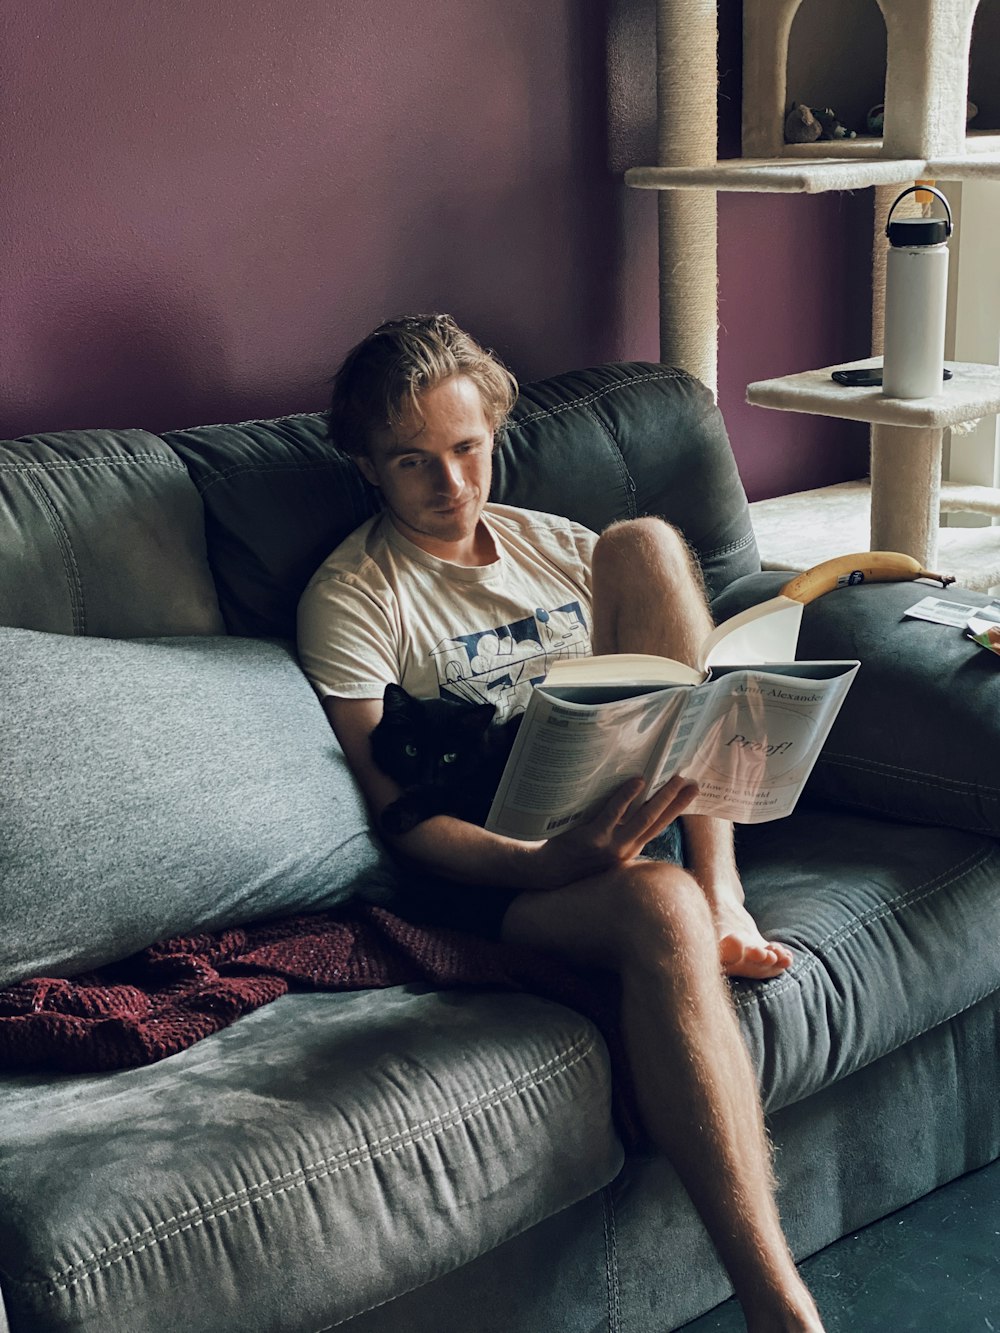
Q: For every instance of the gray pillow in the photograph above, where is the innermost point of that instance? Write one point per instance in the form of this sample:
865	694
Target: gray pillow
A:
151	787
918	737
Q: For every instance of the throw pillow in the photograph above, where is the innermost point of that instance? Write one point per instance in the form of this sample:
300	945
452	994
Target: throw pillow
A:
151	787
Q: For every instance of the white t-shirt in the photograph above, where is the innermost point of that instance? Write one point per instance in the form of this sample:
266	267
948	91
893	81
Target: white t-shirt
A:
382	610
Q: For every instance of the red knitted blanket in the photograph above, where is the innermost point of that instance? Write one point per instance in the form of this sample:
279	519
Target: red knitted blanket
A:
172	994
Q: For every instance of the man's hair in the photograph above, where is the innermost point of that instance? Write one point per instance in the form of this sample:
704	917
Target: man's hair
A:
379	383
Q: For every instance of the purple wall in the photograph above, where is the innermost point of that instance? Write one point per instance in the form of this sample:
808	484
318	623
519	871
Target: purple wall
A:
207	204
794	294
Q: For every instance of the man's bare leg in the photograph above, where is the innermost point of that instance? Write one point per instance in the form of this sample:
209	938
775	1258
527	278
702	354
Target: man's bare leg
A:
649	598
695	1086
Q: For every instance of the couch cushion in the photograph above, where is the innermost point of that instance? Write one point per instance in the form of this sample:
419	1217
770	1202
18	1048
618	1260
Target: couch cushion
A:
618	441
103	533
893	928
278	498
150	787
313	1160
594	445
918	735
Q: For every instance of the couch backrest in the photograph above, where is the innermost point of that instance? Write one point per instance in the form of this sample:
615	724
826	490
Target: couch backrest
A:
102	533
126	534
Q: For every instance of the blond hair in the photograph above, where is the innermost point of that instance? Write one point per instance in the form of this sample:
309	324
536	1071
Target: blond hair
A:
379	383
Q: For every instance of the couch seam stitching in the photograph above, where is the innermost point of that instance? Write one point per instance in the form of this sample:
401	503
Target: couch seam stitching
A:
60	464
754	997
400	1139
915	775
253	421
70	568
885	808
243	470
671	374
628	484
541	413
746	540
611	1263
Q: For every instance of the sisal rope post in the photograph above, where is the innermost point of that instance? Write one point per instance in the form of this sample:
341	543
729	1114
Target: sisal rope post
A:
906	491
686	83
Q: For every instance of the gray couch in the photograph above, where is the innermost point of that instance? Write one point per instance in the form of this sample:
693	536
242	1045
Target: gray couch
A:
418	1159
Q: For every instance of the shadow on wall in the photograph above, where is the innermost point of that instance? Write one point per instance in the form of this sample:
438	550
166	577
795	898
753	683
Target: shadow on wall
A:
631	137
145	358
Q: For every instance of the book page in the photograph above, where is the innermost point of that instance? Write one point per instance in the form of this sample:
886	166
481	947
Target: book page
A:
622	670
768	632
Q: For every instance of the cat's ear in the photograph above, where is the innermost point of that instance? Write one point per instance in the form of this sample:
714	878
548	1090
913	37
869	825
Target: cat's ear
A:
479	718
395	701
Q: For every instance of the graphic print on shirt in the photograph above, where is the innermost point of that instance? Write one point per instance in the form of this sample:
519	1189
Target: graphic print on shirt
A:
500	665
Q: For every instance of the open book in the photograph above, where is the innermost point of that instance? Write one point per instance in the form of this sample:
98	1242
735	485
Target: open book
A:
746	724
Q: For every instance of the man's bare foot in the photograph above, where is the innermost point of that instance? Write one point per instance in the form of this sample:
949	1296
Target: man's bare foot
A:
804	1322
803	1317
743	950
789	1308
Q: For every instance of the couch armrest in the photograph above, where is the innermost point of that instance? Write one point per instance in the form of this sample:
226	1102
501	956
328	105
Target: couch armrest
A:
918	737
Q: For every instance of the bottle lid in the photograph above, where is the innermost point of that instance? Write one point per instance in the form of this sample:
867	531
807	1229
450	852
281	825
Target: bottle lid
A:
918	231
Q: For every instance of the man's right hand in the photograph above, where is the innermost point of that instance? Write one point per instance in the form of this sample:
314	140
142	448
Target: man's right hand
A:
614	836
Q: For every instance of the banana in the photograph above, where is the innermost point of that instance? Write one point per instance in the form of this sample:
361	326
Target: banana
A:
864	567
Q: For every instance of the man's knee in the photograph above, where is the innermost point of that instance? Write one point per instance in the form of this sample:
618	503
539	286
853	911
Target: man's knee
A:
642	543
659	908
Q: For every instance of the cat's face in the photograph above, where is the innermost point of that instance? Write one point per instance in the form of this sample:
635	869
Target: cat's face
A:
429	742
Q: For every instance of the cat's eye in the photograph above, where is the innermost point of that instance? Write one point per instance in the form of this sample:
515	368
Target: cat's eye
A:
410	751
448	758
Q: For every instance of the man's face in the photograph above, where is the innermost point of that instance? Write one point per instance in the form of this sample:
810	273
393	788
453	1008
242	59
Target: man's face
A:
435	473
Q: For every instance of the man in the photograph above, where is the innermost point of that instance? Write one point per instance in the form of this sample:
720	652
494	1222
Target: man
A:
412	597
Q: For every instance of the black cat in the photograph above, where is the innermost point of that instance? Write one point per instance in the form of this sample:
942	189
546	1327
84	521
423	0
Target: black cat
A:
447	757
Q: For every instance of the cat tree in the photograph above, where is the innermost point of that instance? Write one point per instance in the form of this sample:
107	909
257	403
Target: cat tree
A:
927	64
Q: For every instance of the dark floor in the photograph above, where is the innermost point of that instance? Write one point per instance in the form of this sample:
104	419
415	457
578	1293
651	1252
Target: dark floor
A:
931	1268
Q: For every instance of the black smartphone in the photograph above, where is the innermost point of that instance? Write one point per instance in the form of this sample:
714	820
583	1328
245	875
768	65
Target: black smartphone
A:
865	378
868	377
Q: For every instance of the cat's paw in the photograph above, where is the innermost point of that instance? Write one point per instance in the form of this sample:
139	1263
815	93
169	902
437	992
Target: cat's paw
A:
399	818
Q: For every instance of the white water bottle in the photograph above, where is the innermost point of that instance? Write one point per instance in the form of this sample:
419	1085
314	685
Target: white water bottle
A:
916	297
